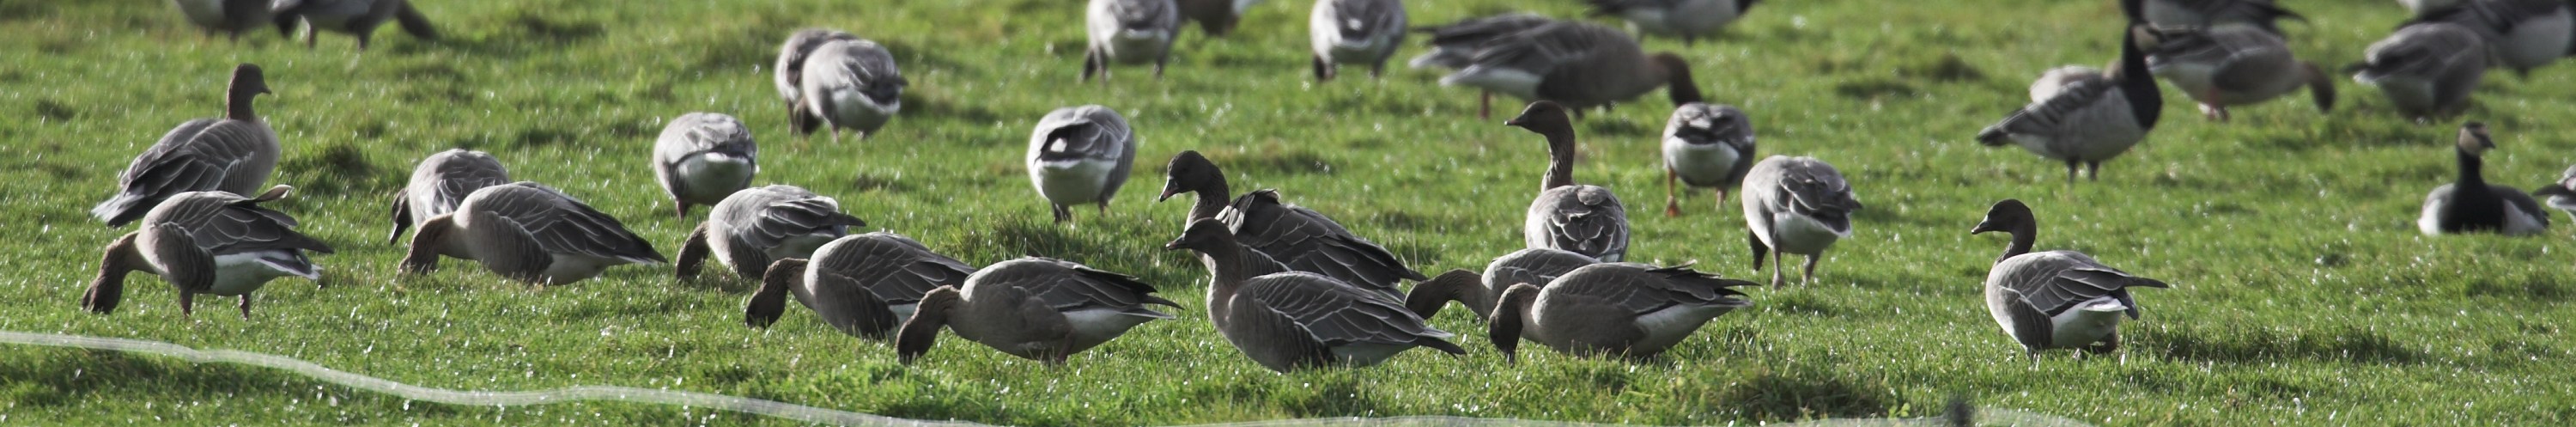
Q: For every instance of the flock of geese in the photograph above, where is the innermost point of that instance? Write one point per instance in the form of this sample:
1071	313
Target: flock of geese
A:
1288	285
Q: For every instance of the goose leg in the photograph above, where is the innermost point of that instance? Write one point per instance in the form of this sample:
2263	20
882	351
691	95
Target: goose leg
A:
1758	249
1090	64
2070	171
1672	203
1062	214
187	304
1485	105
1158	64
2093	171
245	306
679	209
1323	71
1775	269
1720	202
362	42
1377	70
1811	269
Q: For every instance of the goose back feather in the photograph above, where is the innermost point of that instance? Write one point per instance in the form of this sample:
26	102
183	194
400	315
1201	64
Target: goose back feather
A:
759	225
235	153
440	183
701	158
851	83
1080	155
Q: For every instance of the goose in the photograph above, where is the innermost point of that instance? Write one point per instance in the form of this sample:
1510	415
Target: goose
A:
440	183
1454	46
1297	320
2472	205
1620	309
2427	70
2258	14
1129	32
1215	17
861	284
1294	237
1479	292
1687	19
849	83
355	17
1584	219
2561	194
2058	79
1080	155
1579	65
789	74
207	242
231	17
2054	299
1039	309
701	158
1795	205
2234	65
2090	121
234	153
528	232
758	225
1355	32
1706	146
2519	34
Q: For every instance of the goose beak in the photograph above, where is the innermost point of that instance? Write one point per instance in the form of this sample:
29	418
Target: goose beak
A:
1985	226
1169	190
1173	245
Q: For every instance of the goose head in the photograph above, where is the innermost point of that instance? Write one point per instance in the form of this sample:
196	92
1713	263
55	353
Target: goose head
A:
922	330
2474	140
1205	236
2006	216
1429	296
1544	118
1504	328
1677	75
247	82
1189	172
770	301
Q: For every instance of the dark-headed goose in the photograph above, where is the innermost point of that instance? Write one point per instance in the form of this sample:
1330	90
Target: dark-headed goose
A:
758	225
2090	121
2427	69
2054	299
2520	34
1795	205
1355	32
1584	219
357	18
207	242
1297	238
231	17
1620	309
850	83
440	183
703	157
1579	65
1706	146
2472	205
232	153
1296	320
1687	19
789	73
1454	46
1215	17
2561	194
1080	155
1039	309
2234	65
1479	292
861	284
528	232
1129	32
2257	14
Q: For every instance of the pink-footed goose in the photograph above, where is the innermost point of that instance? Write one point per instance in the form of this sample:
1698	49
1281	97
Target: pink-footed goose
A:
1627	310
2427	70
2234	65
861	284
1129	32
1686	19
758	225
233	153
1579	65
2519	34
1039	309
849	83
1297	320
357	18
1795	205
1584	219
701	158
1355	32
2261	15
2054	299
1479	292
1706	146
207	242
1294	237
1080	155
528	232
441	182
789	73
231	17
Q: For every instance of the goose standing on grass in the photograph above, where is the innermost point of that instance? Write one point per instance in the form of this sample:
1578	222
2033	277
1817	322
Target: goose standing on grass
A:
1129	32
234	153
2428	70
1579	65
1298	320
528	232
2562	194
2090	121
1216	18
1706	146
207	242
2519	34
1795	205
1454	46
2258	14
1355	32
1479	292
861	284
1584	219
849	83
701	158
1080	155
1294	237
440	183
789	74
1039	309
231	17
755	226
2234	65
1628	310
2471	205
357	18
1687	19
2054	299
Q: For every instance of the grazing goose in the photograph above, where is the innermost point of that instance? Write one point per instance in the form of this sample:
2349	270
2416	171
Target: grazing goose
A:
1479	292
1292	236
1687	19
1129	32
1039	309
231	17
1618	309
701	158
1454	46
758	225
2090	121
861	284
440	183
789	74
1296	320
1215	17
2562	194
2234	65
1355	32
1080	155
849	83
2259	14
1795	205
2054	299
207	242
232	153
2520	34
2428	70
355	17
2471	205
1706	146
2057	79
1584	219
528	232
1579	65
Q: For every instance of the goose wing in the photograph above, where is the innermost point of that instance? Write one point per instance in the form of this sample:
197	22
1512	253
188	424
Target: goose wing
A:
1536	266
1811	188
1454	46
563	224
2052	282
790	71
895	268
860	65
1337	313
2516	199
1069	286
2074	104
200	155
1585	219
1542	50
1305	240
1640	289
800	213
225	223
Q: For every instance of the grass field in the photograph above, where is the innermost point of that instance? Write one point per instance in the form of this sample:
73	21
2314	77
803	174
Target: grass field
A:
2303	293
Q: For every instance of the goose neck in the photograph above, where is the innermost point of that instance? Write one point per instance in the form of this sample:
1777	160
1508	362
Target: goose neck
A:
2470	166
237	104
1212	198
2023	235
2137	83
1560	159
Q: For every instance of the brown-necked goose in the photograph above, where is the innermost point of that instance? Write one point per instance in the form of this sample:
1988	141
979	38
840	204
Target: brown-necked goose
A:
2258	14
2471	205
1795	205
1479	292
1687	19
1355	32
1706	146
528	232
231	17
2234	65
701	158
2562	193
440	183
1129	32
1215	17
861	284
234	153
2520	34
758	225
1584	219
2054	299
355	17
2427	69
1080	155
789	73
849	83
1629	310
1039	309
207	242
2088	122
1454	46
1296	237
1297	320
1580	65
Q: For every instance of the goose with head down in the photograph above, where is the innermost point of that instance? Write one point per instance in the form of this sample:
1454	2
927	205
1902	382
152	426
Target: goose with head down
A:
1129	32
2054	299
1795	205
1355	32
861	284
1479	292
234	153
848	83
1039	309
2427	69
2234	65
1292	237
528	232
789	72
357	18
1080	155
1575	64
1298	320
1629	310
1706	146
440	183
207	242
701	158
758	225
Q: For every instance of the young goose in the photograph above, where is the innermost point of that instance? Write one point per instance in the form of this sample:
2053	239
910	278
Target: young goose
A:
207	242
232	153
1706	146
2054	299
1297	320
1454	46
2561	194
1687	19
2519	34
1795	205
528	232
1613	309
2472	205
1295	237
1080	155
1479	292
231	17
1039	309
701	158
2257	14
2090	121
1584	219
355	17
758	225
789	73
1355	32
1129	32
1579	65
861	284
440	183
850	83
2426	69
2234	65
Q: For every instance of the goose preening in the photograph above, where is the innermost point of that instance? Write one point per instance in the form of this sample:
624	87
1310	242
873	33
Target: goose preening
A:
2427	69
2519	34
1454	46
1294	237
1687	19
2561	194
703	157
357	18
1479	292
1355	32
758	225
2471	205
440	183
1629	310
1576	64
1039	309
1080	155
2234	65
528	232
1584	219
1705	146
2054	299
233	153
1795	205
789	73
1215	17
2258	14
861	284
207	242
1297	320
2087	121
231	17
848	83
1129	32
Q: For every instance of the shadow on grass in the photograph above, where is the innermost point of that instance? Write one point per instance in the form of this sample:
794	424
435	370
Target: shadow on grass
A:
339	169
1337	397
2241	345
1802	392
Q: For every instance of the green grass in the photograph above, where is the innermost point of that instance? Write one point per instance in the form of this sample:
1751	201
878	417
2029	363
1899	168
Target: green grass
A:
2303	293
